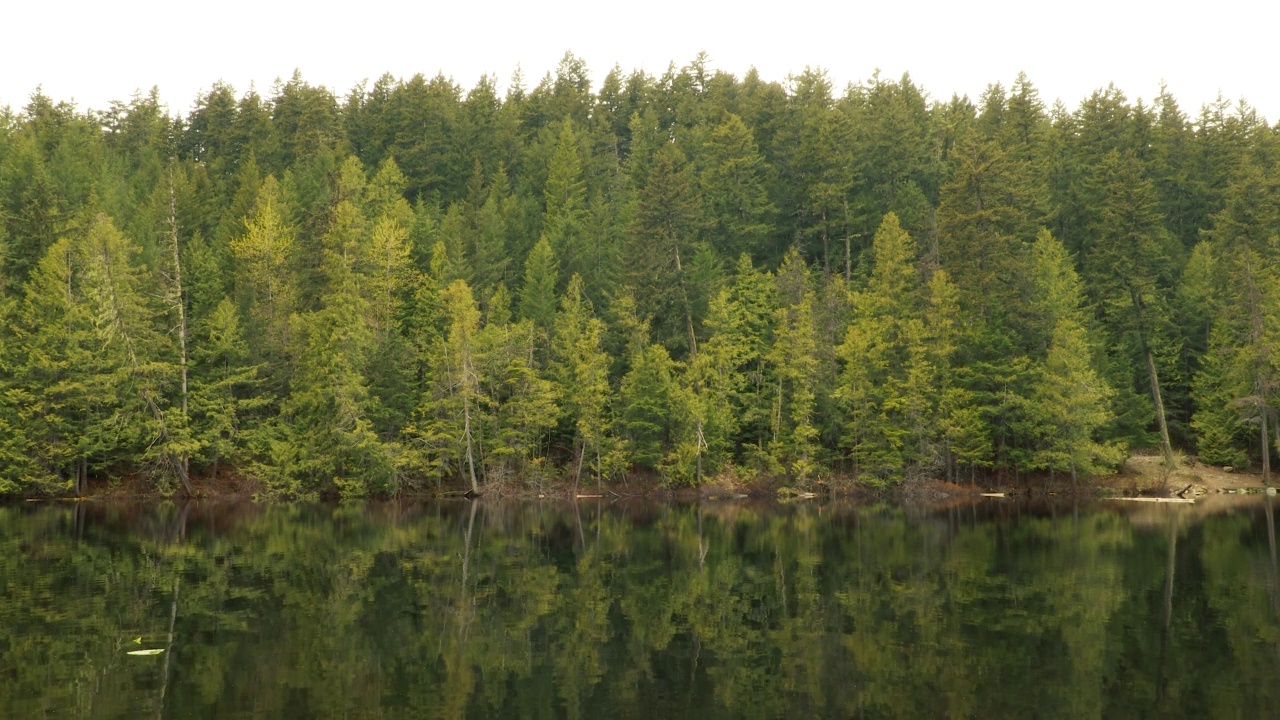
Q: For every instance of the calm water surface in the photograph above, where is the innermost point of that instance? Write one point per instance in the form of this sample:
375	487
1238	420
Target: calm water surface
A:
995	610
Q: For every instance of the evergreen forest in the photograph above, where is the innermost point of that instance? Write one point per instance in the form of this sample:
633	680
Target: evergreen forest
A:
418	286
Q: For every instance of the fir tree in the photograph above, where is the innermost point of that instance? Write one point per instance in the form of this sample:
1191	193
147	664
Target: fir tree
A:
581	370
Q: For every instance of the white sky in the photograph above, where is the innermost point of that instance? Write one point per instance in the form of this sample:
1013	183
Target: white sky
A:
93	52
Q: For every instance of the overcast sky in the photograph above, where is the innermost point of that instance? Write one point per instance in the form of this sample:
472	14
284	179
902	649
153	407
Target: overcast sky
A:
95	52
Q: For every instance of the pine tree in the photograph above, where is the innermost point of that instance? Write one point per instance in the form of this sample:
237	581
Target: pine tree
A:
905	412
17	473
1127	260
1248	325
648	397
747	334
1218	389
664	238
387	282
329	440
1071	407
226	392
648	392
490	253
715	386
451	412
565	198
523	402
116	292
795	435
1070	404
263	265
732	182
581	369
57	387
538	295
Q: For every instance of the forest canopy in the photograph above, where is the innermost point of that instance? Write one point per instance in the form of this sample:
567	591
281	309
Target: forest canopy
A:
418	284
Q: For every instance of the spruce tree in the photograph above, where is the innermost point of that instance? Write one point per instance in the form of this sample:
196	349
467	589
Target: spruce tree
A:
581	370
523	402
1248	324
1127	260
450	415
226	392
906	415
538	294
263	257
732	182
1069	407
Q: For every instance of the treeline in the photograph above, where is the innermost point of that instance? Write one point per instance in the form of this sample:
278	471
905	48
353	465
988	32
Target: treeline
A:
689	275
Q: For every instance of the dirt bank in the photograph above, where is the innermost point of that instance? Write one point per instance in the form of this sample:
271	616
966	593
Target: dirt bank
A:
1146	475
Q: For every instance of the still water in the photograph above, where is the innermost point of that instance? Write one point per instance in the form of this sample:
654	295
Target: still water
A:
991	610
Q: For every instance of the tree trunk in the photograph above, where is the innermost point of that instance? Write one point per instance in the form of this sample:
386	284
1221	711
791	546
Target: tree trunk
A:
148	398
688	308
179	301
701	443
1266	441
466	434
1156	397
582	451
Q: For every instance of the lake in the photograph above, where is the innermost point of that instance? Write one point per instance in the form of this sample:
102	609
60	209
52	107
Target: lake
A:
995	609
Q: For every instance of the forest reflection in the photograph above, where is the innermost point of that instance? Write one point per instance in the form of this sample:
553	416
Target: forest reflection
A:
481	609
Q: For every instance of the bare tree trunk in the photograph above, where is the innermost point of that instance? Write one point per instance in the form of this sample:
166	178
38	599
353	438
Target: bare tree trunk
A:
582	451
466	433
180	302
1156	396
701	444
688	309
1266	439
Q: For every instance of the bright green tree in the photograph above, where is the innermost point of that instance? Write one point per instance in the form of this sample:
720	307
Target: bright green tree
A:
1070	403
263	256
450	415
581	371
905	413
226	392
522	401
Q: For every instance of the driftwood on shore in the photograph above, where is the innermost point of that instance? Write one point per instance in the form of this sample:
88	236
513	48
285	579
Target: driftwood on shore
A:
1185	501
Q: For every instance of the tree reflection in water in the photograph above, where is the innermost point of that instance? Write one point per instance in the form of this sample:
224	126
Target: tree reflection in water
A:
720	610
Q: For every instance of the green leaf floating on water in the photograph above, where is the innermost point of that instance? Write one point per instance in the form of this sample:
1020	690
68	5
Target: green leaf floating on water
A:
149	651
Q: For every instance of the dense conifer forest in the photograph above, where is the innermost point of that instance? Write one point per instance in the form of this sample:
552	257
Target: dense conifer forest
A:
418	285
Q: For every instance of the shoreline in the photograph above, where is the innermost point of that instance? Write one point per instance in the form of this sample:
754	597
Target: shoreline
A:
1142	476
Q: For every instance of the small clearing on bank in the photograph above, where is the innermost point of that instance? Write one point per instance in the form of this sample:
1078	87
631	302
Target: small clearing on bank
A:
1145	475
